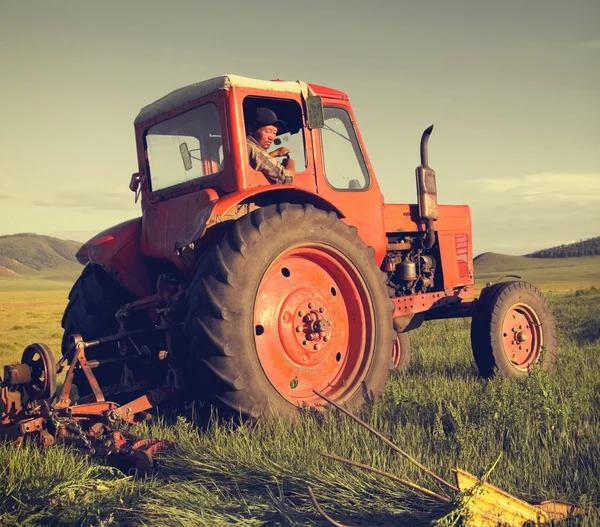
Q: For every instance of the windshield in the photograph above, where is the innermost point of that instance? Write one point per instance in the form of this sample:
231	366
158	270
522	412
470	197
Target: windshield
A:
186	147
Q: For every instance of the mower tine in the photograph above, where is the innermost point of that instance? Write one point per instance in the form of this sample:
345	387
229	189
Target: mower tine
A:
322	512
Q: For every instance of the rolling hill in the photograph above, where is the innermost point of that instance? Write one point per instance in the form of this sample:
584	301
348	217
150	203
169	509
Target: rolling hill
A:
589	247
29	255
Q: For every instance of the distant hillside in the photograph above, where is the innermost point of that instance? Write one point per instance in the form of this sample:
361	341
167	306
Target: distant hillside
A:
590	247
490	267
24	254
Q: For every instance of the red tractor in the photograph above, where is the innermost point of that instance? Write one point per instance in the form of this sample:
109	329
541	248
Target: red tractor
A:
252	295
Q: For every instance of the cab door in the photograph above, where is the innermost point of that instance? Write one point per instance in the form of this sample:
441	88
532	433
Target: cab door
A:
346	178
186	161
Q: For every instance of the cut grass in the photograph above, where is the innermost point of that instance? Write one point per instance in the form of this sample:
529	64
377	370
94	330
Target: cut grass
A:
546	426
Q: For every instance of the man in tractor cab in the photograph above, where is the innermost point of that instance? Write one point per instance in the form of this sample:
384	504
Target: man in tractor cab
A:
261	134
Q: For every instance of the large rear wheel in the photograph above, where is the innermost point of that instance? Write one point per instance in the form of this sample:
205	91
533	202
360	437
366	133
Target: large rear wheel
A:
512	329
93	302
290	301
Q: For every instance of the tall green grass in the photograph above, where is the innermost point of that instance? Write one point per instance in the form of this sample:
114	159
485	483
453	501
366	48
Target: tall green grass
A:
545	426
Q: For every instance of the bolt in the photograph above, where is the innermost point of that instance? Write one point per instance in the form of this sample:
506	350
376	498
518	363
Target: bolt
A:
300	313
514	342
304	342
311	305
298	329
316	347
321	310
520	327
520	347
325	338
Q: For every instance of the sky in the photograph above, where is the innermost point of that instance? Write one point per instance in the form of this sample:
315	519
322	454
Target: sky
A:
512	88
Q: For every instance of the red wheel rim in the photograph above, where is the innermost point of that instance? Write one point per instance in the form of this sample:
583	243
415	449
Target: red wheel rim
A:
313	325
397	352
522	336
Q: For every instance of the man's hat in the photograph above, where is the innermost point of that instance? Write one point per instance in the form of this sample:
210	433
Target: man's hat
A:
267	117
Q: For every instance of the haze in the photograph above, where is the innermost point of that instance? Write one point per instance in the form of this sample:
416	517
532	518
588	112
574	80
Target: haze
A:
512	88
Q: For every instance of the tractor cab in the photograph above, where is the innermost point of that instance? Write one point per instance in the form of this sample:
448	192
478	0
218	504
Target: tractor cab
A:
194	167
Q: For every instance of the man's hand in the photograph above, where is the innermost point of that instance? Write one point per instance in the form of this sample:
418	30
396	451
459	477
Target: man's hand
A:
290	164
280	152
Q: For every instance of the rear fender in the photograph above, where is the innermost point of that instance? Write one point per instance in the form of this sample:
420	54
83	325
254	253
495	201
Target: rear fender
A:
117	250
238	204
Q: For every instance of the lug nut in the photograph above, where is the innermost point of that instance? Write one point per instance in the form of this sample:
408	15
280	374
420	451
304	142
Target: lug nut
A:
316	347
298	329
311	305
321	310
304	342
325	338
300	313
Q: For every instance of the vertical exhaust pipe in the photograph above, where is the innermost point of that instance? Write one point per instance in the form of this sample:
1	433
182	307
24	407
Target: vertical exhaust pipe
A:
427	191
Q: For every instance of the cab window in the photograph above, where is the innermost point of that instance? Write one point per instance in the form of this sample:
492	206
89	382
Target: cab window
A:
185	147
291	136
343	161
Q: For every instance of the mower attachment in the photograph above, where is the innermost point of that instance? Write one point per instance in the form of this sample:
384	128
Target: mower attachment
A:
32	408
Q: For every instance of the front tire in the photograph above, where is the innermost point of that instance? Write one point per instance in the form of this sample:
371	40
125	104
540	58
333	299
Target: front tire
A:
512	329
290	301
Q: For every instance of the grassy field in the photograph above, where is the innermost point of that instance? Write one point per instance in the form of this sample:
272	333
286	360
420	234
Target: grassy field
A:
548	274
546	427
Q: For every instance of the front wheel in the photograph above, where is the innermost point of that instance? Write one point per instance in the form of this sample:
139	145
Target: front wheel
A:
512	329
290	301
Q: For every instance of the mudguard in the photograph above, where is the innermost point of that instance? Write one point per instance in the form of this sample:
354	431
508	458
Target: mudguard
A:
237	204
117	250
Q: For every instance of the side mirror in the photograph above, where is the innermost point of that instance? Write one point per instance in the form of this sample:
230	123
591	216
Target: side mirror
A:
314	112
186	157
134	183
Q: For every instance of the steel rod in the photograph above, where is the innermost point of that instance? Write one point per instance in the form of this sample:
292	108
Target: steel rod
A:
410	484
388	442
322	512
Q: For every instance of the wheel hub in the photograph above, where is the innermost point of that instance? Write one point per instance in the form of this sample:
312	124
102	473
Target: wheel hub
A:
313	333
314	330
522	336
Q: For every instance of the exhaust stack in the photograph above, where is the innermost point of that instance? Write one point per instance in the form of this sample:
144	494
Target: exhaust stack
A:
427	191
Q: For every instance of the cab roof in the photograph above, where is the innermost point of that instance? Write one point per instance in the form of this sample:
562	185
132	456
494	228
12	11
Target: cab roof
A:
188	94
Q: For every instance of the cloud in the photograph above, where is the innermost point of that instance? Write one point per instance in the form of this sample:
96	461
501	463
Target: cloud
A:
547	187
589	44
87	199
